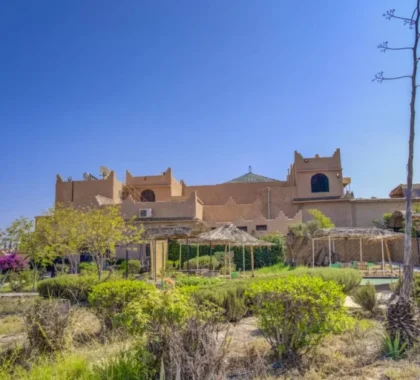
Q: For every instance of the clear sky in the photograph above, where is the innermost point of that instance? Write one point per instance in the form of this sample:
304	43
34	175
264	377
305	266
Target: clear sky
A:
206	87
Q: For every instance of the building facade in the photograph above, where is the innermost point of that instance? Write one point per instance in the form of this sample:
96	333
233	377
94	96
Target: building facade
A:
254	203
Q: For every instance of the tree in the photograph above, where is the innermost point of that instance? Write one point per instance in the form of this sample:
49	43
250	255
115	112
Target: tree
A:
22	237
103	229
322	220
396	317
62	228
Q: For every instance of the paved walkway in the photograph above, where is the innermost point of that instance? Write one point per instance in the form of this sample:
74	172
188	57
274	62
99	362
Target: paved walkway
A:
26	294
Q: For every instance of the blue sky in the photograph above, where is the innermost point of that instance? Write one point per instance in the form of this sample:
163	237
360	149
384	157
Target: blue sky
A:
206	87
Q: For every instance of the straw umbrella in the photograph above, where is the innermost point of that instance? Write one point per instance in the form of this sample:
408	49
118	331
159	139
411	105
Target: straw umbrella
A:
370	234
231	235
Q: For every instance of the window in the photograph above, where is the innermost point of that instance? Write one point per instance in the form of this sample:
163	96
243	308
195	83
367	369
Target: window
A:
243	228
147	250
147	196
320	183
261	227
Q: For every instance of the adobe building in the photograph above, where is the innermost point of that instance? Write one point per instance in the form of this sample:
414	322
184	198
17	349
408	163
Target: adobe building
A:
252	202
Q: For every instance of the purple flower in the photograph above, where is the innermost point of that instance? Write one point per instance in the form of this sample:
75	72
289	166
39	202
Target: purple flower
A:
11	262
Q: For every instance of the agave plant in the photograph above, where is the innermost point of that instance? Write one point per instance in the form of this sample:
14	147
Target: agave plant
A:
394	348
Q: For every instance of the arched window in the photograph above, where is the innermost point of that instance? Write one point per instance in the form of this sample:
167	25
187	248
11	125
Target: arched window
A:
147	196
320	183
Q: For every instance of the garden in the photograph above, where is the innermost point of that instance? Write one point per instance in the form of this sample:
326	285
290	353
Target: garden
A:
107	320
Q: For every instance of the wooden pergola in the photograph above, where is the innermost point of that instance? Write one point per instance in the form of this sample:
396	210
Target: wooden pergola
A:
227	235
355	233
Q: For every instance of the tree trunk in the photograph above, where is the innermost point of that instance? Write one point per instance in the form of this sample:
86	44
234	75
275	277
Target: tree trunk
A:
407	284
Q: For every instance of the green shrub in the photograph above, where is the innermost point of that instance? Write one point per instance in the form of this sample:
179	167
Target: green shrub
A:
365	296
110	298
349	278
134	267
88	268
226	271
204	262
416	289
72	287
172	264
296	312
182	281
133	364
231	299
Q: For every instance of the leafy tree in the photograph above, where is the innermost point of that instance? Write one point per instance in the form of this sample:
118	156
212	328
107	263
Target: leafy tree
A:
103	229
322	220
62	229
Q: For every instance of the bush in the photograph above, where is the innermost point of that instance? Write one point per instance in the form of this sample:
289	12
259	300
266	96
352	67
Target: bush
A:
110	298
204	262
349	278
46	322
88	268
72	287
133	364
134	267
416	289
183	281
230	299
365	296
226	271
296	312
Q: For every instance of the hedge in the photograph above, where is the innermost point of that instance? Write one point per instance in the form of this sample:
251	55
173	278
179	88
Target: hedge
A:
72	287
264	256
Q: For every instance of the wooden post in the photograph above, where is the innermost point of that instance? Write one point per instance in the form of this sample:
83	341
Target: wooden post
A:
243	259
313	253
230	272
163	270
361	251
155	257
225	258
211	259
383	256
329	250
198	253
252	260
389	256
180	257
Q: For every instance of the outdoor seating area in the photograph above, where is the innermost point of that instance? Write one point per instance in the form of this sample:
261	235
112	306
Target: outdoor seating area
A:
372	235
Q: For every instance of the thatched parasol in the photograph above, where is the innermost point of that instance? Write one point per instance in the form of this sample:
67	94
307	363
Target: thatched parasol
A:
229	235
369	233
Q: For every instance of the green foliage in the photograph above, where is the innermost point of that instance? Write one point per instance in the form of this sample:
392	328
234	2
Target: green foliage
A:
184	281
272	270
64	367
226	271
393	348
230	299
134	267
386	218
21	281
348	278
365	296
72	287
158	311
203	262
416	288
322	220
172	264
132	364
296	312
88	268
110	298
263	256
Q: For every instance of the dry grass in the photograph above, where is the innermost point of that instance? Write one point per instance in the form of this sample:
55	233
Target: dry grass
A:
11	324
15	305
